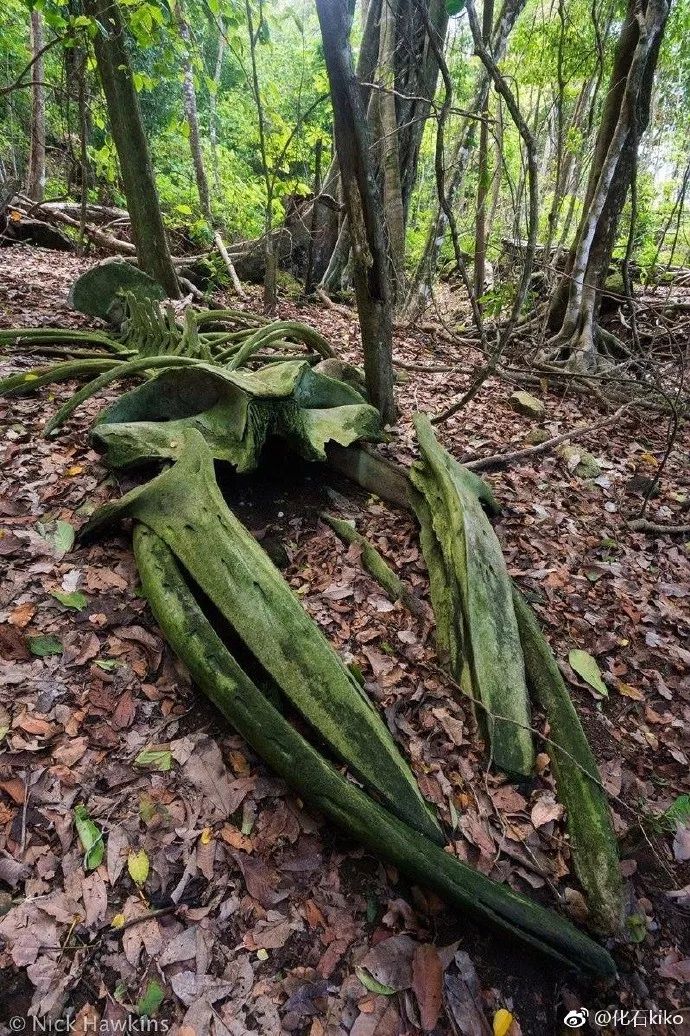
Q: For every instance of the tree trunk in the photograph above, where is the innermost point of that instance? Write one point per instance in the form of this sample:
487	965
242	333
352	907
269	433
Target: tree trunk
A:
395	52
363	206
420	288
384	123
624	119
36	174
191	113
480	232
213	106
131	144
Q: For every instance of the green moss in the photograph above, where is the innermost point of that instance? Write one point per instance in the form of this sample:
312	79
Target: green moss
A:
471	593
220	677
185	508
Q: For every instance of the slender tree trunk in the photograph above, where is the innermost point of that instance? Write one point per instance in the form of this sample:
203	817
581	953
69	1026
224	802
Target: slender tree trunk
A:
309	276
411	69
81	64
213	106
36	174
498	159
420	287
482	171
335	243
624	119
363	205
385	129
131	144
191	112
270	289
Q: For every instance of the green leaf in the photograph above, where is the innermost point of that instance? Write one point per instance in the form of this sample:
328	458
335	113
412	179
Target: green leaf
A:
91	838
72	599
60	537
155	759
63	537
44	646
637	927
108	665
138	866
678	812
370	983
454	6
585	665
149	1003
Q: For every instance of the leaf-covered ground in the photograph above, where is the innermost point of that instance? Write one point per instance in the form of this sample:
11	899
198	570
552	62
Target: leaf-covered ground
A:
221	904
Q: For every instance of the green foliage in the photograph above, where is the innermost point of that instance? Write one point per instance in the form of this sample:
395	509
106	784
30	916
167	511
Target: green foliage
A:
292	78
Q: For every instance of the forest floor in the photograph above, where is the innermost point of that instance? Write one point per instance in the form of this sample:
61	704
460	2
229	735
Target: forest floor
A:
259	918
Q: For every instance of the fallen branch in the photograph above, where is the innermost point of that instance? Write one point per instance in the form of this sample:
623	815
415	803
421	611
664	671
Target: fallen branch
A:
501	459
642	525
220	245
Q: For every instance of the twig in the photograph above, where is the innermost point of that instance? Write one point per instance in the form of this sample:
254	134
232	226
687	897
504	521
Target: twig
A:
643	525
220	245
530	451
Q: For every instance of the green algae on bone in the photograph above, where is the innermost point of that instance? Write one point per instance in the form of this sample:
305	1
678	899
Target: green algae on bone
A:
588	817
472	591
235	411
218	675
184	506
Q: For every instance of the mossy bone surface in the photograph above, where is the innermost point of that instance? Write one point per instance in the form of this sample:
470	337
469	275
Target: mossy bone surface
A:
236	412
184	506
219	676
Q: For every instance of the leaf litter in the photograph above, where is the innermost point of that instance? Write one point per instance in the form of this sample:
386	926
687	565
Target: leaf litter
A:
199	889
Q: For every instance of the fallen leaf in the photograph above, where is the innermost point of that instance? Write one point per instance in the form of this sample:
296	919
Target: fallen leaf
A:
370	983
155	759
138	866
22	615
502	1022
44	646
630	692
546	809
390	962
148	1004
91	838
70	599
585	665
427	984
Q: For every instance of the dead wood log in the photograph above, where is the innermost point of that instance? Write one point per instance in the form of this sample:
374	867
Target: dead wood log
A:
95	234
